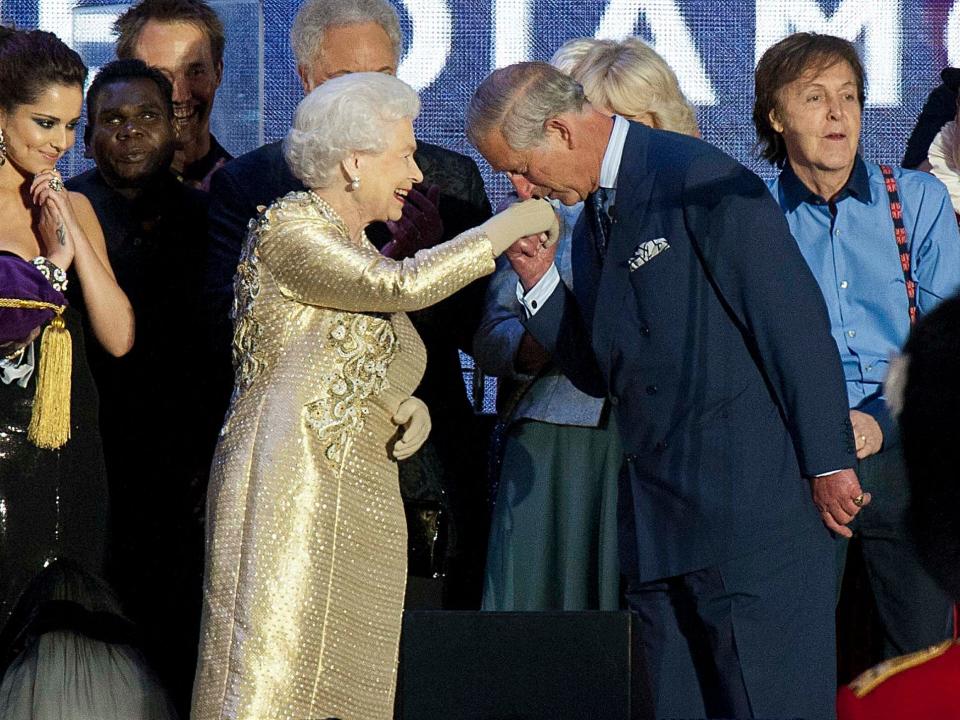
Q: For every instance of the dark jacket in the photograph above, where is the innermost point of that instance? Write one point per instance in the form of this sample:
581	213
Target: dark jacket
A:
716	355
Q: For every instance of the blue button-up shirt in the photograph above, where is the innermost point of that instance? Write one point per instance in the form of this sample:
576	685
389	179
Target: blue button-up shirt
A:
850	247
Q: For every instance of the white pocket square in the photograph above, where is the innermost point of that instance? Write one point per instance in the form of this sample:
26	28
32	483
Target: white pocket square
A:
647	251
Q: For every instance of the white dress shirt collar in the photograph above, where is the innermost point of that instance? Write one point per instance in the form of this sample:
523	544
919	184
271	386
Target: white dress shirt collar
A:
610	167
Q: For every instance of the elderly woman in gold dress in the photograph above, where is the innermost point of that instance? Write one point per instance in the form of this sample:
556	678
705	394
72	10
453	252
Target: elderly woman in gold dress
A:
306	548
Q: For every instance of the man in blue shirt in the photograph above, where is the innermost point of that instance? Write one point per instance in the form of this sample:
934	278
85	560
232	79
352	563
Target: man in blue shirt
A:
883	246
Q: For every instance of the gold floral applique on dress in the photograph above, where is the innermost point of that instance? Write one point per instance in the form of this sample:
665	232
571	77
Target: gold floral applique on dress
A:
364	345
247	331
306	536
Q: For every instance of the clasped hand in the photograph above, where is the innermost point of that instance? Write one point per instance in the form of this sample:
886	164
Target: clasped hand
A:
527	219
526	233
530	258
57	223
835	496
413	417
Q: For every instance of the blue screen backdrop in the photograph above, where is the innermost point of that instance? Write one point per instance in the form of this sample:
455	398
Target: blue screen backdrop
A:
452	44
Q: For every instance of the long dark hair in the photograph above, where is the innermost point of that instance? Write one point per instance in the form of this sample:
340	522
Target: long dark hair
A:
30	62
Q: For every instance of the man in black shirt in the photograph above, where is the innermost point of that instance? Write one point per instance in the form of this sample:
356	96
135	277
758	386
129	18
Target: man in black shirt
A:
157	425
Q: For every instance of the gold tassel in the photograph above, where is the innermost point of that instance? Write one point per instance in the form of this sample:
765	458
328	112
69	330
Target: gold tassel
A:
50	422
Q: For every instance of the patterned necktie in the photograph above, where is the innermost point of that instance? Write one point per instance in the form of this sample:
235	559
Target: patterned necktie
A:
599	219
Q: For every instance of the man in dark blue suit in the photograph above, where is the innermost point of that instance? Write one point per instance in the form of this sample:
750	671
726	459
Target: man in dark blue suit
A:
694	312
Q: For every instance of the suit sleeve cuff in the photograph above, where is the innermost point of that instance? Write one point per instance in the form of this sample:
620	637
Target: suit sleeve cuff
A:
876	407
533	300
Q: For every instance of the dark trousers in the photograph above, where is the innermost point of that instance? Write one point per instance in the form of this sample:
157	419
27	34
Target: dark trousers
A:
914	611
750	638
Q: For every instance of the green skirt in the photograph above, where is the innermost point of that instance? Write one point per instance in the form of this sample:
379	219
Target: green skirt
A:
553	535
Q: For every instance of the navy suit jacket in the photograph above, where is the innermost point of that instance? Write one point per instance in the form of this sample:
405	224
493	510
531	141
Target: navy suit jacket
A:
716	355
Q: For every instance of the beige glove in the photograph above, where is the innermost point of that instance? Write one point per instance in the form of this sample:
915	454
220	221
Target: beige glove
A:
530	217
414	417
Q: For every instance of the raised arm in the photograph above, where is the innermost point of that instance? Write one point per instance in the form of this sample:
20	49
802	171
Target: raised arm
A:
315	264
109	310
70	234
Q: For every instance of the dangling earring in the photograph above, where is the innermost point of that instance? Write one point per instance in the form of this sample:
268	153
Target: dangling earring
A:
355	183
3	149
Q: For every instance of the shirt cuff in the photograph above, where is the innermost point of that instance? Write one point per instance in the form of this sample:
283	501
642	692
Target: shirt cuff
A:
533	300
830	473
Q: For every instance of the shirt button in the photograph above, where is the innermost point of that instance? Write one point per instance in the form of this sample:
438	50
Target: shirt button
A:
851	333
660	446
533	304
651	389
645	331
614	400
843	284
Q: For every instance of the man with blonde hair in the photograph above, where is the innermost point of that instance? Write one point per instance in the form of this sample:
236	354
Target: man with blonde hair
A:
184	40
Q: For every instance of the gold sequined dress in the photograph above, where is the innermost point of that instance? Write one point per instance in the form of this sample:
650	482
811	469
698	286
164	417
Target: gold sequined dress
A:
306	539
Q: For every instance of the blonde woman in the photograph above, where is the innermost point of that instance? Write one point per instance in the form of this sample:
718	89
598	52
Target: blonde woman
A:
629	78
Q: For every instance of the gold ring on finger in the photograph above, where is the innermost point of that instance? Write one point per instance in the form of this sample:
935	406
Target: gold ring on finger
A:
858	500
55	184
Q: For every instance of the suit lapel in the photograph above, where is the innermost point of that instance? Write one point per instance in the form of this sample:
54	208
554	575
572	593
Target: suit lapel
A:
635	183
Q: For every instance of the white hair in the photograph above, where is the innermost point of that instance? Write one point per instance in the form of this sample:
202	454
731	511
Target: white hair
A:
315	17
344	115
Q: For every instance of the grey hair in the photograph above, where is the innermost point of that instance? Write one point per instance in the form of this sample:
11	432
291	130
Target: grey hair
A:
518	100
315	17
344	115
630	78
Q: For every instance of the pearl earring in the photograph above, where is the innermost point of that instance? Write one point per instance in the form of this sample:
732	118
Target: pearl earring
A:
355	182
